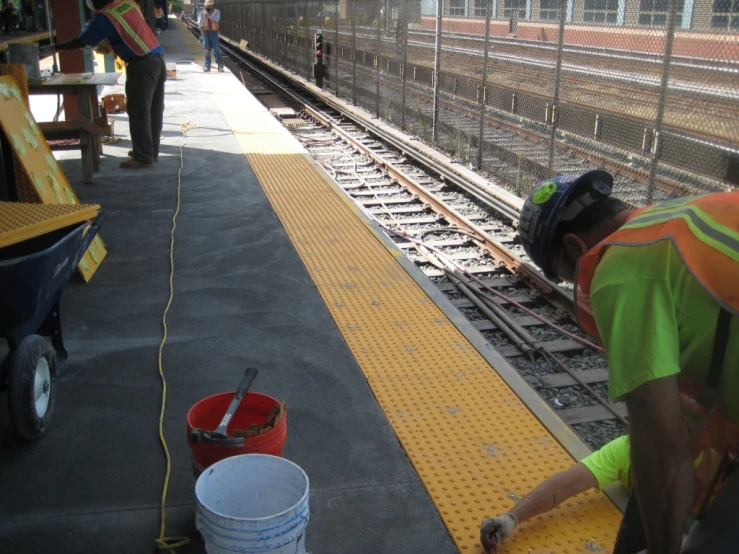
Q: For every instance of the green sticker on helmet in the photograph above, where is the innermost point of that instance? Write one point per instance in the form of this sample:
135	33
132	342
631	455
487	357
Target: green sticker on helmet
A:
544	192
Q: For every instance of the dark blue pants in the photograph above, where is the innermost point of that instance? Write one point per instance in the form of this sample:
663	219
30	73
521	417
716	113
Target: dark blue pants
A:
210	42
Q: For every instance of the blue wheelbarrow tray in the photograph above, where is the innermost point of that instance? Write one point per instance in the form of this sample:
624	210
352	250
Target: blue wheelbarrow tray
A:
32	277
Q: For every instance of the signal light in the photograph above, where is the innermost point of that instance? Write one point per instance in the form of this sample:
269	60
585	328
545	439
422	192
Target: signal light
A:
319	70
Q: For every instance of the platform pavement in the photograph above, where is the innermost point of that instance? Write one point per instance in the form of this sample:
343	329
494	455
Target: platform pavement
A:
242	297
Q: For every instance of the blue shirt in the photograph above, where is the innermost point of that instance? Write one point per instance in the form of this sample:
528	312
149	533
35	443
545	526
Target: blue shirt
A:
101	28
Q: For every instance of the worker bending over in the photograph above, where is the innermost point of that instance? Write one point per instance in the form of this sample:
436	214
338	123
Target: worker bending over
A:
123	26
603	467
659	286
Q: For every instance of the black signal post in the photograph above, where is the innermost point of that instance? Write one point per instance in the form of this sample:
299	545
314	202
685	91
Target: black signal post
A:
319	70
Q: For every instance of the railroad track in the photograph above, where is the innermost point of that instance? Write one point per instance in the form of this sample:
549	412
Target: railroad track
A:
468	248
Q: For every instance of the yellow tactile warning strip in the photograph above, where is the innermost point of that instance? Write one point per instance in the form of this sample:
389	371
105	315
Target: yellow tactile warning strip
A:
476	447
20	221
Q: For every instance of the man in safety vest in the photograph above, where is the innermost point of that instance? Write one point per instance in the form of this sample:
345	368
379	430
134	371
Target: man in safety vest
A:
123	26
660	287
208	20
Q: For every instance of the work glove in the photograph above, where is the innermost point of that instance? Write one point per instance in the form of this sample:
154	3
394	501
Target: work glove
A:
495	530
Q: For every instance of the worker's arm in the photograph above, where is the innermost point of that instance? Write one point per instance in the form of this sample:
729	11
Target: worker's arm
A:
215	16
74	44
552	492
661	461
546	495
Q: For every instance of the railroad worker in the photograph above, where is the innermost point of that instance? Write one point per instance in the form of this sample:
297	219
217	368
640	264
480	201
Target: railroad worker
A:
123	26
658	286
608	465
208	20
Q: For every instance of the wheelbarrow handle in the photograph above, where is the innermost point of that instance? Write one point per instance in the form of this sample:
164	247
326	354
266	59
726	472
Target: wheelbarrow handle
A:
91	233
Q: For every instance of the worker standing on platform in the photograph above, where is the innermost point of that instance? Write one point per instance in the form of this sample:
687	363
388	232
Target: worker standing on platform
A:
122	24
658	286
608	465
159	16
208	20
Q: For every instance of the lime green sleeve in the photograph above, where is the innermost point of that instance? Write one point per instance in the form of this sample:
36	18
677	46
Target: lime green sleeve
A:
611	463
636	319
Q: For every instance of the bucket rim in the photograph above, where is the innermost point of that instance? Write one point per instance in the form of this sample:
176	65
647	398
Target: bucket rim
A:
208	470
232	393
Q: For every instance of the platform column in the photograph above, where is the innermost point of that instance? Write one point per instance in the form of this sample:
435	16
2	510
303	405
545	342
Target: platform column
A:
68	25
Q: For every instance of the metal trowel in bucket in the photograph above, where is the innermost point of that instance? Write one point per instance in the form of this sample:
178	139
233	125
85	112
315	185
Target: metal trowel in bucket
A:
220	434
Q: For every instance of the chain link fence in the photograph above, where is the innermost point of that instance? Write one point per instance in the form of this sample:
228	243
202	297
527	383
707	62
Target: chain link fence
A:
525	89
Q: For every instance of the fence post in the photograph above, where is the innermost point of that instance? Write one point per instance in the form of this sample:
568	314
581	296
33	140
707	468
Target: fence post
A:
354	52
264	29
659	119
308	41
295	48
335	51
405	62
377	60
437	67
483	91
554	113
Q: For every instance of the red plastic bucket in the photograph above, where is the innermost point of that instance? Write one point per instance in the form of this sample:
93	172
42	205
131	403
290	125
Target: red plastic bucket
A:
254	408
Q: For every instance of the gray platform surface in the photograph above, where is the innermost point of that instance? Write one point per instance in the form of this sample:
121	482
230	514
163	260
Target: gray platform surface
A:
242	298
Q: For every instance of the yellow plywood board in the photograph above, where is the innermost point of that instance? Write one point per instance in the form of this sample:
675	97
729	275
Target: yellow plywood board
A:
475	445
20	221
48	183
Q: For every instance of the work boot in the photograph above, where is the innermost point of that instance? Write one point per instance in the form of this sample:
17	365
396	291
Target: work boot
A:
131	155
220	68
206	69
133	163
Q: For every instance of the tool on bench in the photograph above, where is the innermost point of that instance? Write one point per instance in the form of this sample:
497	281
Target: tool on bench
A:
220	434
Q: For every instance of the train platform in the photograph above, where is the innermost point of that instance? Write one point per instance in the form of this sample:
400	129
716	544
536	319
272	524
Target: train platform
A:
410	428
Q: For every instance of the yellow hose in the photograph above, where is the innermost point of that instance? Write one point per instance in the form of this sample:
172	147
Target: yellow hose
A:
163	542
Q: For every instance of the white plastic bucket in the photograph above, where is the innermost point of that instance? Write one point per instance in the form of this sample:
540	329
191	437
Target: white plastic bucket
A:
253	503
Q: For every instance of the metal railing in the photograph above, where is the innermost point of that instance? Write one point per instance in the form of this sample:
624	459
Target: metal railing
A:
523	95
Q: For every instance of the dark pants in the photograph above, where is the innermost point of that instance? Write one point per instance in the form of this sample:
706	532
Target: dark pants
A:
716	532
145	79
211	42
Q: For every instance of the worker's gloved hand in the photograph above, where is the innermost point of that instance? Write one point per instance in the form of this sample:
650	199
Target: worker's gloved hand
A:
495	530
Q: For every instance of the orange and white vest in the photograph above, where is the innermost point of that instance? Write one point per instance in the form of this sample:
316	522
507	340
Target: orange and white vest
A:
208	24
131	26
704	230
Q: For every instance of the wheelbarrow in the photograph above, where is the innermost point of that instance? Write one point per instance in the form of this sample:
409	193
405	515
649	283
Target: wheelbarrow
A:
32	277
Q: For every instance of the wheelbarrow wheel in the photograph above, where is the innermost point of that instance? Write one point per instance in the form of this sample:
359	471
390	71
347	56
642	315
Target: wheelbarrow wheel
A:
32	387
